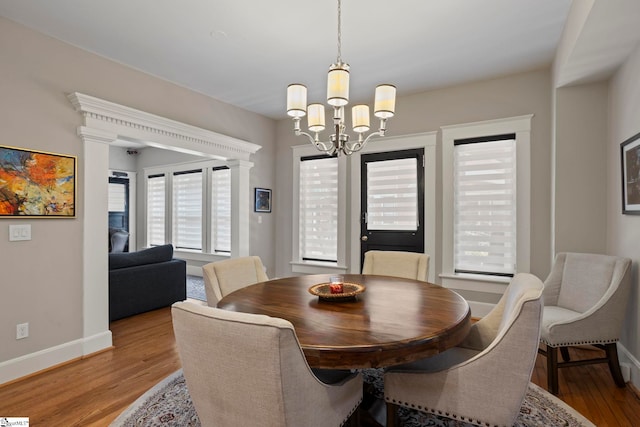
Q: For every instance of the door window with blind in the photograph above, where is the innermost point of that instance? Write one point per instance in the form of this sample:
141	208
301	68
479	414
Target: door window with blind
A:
484	205
318	210
392	194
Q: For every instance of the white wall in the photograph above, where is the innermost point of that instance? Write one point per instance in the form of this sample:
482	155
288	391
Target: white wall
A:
623	231
580	172
42	279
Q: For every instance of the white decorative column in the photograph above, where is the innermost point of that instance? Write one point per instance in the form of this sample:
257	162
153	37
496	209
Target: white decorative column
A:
240	207
95	274
103	123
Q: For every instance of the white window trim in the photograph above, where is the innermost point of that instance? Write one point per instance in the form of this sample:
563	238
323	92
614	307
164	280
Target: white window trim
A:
521	126
298	265
427	141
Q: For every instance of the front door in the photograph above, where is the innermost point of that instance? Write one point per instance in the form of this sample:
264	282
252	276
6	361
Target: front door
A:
392	201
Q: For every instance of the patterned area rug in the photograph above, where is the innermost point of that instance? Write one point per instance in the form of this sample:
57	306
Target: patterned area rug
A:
168	404
195	288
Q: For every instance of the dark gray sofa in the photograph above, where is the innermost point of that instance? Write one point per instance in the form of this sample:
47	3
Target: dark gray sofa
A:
145	280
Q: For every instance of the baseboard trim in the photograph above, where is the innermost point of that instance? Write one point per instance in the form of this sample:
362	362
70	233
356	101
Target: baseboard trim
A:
32	363
630	366
194	270
96	343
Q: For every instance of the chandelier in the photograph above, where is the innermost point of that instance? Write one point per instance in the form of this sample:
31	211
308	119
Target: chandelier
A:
338	98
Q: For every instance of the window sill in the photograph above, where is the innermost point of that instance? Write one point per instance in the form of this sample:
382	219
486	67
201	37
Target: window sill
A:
310	267
199	256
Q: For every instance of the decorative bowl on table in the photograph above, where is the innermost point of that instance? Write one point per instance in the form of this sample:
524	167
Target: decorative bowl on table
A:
349	291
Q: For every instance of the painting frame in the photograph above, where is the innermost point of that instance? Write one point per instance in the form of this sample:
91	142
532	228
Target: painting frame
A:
262	200
630	168
37	184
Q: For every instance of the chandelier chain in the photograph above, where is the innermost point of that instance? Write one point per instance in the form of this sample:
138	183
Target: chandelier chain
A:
339	32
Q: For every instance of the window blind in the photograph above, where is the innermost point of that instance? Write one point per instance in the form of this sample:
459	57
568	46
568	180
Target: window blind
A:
117	197
187	209
319	208
221	210
485	205
392	195
155	210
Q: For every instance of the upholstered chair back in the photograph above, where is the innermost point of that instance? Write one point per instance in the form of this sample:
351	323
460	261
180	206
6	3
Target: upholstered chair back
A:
223	277
409	265
579	281
484	380
249	370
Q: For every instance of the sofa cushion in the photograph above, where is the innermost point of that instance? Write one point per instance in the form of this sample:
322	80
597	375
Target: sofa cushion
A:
151	255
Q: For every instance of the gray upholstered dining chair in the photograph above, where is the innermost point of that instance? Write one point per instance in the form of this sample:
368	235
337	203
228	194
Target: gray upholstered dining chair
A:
223	277
248	369
410	265
484	380
585	297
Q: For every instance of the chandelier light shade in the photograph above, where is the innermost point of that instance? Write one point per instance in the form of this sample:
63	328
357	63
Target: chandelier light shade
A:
315	119
360	118
338	98
296	100
385	104
338	85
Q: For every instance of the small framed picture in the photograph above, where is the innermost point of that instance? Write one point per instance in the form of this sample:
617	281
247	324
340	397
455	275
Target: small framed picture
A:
262	200
630	163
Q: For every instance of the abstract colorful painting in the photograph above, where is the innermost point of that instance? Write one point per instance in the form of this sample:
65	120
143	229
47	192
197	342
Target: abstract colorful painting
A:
35	183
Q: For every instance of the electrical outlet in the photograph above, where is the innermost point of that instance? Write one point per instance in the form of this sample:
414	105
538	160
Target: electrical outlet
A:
22	331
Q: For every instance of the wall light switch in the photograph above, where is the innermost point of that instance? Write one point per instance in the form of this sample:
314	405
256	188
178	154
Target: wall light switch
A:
19	232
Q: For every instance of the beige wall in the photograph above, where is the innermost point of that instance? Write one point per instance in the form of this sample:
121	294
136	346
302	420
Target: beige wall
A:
41	279
623	231
527	93
580	170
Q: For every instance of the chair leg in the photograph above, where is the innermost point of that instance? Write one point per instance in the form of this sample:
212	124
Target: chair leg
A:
614	364
552	369
564	351
392	415
355	418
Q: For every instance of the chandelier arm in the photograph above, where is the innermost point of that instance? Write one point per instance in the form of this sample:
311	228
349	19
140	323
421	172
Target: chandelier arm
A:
315	141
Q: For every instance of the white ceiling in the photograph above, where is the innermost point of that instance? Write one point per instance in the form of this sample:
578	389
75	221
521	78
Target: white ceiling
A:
246	52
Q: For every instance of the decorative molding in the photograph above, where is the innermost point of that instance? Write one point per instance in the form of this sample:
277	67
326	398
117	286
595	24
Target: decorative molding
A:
156	130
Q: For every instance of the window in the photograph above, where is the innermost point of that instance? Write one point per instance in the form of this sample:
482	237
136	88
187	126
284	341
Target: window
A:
318	208
221	209
319	216
484	191
189	206
392	194
187	210
486	203
155	210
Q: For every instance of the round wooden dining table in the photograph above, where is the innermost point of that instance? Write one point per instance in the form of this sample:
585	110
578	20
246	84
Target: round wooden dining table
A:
392	321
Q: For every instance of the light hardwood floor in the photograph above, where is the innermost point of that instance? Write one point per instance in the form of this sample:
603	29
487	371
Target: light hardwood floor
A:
94	390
